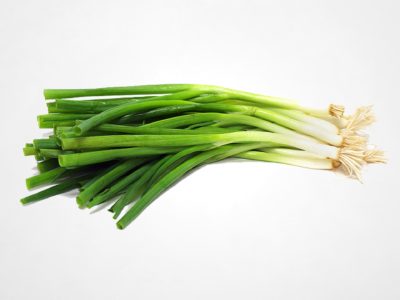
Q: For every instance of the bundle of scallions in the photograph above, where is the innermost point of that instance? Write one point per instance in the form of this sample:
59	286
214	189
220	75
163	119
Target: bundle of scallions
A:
129	144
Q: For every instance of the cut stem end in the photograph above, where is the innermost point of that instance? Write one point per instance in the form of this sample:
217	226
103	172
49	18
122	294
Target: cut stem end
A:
336	110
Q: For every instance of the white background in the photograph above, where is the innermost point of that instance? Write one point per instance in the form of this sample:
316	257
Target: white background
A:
228	231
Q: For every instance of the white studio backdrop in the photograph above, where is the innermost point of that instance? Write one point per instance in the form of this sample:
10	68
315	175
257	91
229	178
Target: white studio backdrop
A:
234	230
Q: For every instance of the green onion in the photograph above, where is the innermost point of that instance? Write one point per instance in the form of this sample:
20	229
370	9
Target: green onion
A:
56	189
53	153
101	183
118	187
45	177
50	143
47	165
120	111
111	91
93	157
116	141
135	142
136	189
29	150
174	175
290	157
114	128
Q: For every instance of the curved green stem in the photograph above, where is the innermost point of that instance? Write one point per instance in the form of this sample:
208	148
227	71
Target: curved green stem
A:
136	189
175	175
122	110
97	186
94	157
112	91
118	187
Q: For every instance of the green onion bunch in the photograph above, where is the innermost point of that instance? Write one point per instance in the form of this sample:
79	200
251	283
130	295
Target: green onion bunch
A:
127	145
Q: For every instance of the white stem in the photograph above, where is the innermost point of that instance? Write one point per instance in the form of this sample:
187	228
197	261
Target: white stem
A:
301	116
338	122
328	137
312	147
291	152
312	163
301	127
319	113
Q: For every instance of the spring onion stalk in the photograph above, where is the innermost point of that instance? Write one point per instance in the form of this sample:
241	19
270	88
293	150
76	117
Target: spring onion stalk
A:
185	91
224	119
112	91
63	117
97	186
173	159
29	150
267	115
57	173
136	189
290	159
194	118
101	172
340	123
45	177
56	189
89	105
175	174
301	127
39	157
53	153
74	106
186	107
157	113
47	165
52	124
118	187
116	141
179	89
164	167
50	143
106	128
120	111
93	106
111	101
52	108
313	121
135	142
93	157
